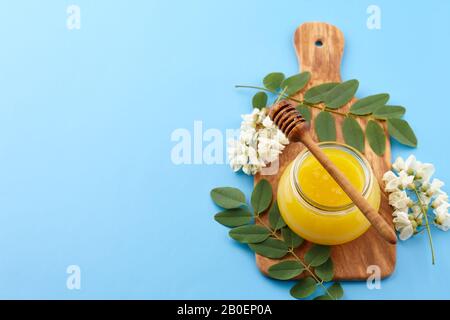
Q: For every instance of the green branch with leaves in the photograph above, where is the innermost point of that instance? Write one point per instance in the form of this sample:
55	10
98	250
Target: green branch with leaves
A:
275	240
329	98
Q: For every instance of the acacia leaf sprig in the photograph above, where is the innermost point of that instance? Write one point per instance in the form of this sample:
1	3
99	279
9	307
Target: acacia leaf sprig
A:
274	239
329	98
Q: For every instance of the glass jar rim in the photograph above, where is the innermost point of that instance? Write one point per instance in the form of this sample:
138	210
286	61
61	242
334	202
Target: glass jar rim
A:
317	207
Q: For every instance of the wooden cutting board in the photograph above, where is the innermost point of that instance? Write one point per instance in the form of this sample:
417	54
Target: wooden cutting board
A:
319	48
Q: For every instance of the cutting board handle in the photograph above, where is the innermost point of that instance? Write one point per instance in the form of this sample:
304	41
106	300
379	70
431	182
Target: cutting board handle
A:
319	47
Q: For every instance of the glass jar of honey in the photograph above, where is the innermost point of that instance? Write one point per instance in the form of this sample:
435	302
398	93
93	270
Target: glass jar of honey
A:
314	206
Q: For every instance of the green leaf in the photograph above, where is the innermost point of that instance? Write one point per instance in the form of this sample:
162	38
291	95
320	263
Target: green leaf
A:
227	197
285	270
249	233
353	134
400	130
270	248
369	104
273	80
335	291
317	255
376	137
325	127
261	196
259	100
341	94
389	112
291	239
304	288
317	93
295	83
304	111
325	271
275	219
234	217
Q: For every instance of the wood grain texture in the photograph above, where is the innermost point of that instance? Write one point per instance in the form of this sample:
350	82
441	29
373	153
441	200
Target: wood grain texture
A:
351	259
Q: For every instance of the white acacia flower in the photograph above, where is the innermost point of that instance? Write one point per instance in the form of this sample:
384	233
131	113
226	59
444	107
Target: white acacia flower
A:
442	217
394	182
391	181
267	122
424	172
399	164
237	153
260	142
396	212
424	199
250	120
254	163
400	181
389	176
400	200
439	200
403	225
252	156
247	135
412	192
405	180
411	165
280	137
416	212
269	149
434	187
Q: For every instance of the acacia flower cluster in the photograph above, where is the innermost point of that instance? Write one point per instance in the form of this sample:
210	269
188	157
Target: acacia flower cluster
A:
260	142
417	199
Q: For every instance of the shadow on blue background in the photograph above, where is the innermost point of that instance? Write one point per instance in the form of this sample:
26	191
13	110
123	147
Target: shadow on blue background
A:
86	118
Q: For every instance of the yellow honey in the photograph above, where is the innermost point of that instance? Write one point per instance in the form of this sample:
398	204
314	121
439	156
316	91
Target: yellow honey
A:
319	186
315	207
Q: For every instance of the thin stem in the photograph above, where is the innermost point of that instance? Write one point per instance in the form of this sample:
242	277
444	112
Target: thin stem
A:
283	95
307	267
255	87
273	232
430	239
294	255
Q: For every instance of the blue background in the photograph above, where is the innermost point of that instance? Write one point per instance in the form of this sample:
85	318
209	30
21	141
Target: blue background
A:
86	118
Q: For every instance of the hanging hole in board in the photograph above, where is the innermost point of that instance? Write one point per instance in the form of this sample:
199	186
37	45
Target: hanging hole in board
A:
318	43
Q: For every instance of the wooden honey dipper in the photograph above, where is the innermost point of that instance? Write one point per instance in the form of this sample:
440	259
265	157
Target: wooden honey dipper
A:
293	125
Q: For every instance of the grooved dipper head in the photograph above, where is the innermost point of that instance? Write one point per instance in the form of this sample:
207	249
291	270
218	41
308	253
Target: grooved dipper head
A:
289	120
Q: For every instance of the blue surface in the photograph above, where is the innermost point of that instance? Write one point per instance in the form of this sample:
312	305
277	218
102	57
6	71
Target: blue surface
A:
86	118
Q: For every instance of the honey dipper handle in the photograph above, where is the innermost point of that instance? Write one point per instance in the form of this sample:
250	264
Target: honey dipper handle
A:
371	214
